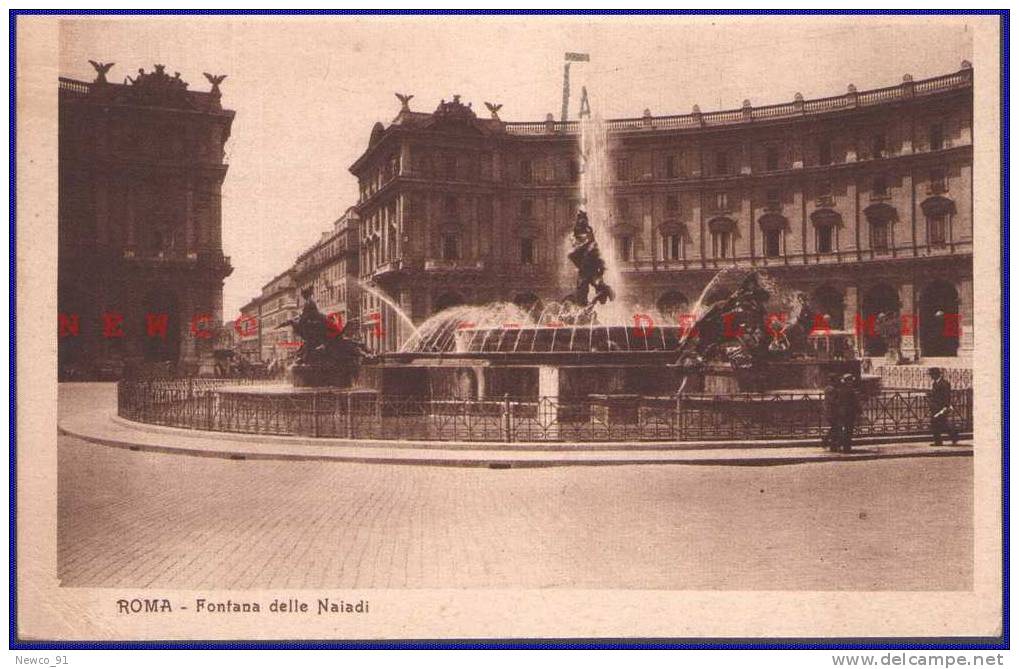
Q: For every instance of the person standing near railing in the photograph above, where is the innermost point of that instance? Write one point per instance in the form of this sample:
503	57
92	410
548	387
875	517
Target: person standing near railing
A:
847	409
830	439
940	398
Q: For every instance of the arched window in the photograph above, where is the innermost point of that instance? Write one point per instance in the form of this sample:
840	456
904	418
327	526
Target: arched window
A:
450	246
938	211
880	300
672	246
828	302
528	256
772	227
881	218
723	232
826	222
672	233
940	323
624	248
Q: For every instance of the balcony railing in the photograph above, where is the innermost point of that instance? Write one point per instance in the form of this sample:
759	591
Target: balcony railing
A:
905	91
454	265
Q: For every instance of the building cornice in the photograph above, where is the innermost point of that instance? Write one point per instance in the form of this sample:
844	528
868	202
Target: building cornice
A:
852	101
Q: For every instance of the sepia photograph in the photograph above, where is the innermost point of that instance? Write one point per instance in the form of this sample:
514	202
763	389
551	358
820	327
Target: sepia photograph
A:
495	327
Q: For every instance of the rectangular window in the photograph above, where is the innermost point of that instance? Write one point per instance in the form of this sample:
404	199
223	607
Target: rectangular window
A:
772	243
526	171
878	149
526	209
622	169
937	230
721	162
721	202
450	247
449	167
772	199
671	204
824	152
721	244
879	188
625	248
825	243
449	205
526	251
879	235
623	208
671	167
771	158
938	182
937	137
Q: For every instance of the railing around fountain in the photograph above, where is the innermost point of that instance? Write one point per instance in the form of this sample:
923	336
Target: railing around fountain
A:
364	414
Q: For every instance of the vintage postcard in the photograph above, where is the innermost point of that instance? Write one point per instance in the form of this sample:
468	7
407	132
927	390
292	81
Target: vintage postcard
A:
508	327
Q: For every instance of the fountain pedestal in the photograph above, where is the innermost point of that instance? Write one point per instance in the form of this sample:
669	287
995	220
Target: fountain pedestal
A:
615	409
321	376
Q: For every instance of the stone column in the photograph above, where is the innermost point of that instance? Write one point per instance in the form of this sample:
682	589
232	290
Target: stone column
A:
101	187
190	241
187	307
129	241
548	400
966	315
850	310
908	320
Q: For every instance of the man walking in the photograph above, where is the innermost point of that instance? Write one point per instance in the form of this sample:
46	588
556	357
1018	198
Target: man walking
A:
940	398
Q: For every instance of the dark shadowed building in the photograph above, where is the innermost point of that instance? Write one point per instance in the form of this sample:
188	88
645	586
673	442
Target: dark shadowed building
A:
141	264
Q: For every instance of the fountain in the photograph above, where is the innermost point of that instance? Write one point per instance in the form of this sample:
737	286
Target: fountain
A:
592	365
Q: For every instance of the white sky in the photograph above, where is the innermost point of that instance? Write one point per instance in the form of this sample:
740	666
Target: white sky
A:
308	90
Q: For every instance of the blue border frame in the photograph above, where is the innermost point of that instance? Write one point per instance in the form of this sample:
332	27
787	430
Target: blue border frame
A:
804	643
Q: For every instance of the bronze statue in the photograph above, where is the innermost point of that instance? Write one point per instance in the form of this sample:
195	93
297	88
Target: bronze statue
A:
329	354
215	80
494	109
101	70
587	258
404	101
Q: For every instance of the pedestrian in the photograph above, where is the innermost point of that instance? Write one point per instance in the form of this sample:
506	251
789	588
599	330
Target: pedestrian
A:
847	409
830	439
940	399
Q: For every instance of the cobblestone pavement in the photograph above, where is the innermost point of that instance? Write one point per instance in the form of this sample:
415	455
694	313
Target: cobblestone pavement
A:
133	519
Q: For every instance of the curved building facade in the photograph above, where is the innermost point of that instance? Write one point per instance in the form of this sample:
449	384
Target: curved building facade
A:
863	200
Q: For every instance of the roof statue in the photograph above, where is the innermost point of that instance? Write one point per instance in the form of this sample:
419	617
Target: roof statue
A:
101	70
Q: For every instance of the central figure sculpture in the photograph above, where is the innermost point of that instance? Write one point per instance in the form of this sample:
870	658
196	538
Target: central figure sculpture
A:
589	263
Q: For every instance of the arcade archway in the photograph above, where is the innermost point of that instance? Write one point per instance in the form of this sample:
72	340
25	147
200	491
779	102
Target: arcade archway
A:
939	320
879	299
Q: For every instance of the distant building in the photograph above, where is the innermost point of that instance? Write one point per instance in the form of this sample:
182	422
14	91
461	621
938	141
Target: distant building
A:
329	269
863	200
249	332
141	265
276	305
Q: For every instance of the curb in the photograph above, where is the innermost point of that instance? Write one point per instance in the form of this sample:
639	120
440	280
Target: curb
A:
106	430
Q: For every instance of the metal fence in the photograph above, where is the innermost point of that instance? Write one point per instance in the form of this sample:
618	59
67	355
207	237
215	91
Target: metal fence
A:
207	404
916	377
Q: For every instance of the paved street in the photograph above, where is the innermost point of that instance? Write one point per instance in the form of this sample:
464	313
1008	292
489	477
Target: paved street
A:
136	519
